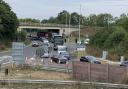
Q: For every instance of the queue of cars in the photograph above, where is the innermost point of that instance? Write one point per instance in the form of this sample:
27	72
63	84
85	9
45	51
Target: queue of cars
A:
62	55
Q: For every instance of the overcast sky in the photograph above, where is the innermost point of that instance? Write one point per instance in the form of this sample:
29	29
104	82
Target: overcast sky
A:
41	9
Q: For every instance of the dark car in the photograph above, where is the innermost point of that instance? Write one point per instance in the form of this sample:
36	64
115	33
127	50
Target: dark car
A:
90	59
59	59
124	63
35	38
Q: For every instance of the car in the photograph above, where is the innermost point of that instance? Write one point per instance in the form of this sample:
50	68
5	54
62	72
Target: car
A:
90	59
124	63
65	54
46	44
33	38
59	59
35	44
45	55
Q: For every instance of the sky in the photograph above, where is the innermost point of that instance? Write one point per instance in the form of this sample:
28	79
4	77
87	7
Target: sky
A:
43	9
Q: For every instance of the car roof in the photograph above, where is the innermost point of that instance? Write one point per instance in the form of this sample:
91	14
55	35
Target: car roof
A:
90	57
125	61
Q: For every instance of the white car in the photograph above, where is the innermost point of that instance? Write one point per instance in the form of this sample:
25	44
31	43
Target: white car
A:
45	55
35	44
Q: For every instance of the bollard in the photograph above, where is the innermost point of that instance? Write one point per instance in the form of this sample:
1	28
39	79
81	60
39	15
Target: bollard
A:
6	71
122	59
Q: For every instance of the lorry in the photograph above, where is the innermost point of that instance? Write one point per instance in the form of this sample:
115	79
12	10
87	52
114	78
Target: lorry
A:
44	35
57	40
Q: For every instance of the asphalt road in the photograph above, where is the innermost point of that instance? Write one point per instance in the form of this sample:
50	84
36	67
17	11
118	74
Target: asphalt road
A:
30	51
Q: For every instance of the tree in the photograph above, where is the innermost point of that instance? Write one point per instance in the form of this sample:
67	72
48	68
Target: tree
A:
92	20
44	21
74	18
115	38
29	20
8	21
63	17
52	20
123	21
104	19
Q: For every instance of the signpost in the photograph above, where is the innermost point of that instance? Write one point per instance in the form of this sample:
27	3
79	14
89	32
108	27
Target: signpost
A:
104	54
18	52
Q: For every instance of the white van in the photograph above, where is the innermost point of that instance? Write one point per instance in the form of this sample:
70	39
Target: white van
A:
61	49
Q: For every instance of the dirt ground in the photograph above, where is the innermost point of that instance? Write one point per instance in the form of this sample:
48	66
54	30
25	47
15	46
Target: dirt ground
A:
31	74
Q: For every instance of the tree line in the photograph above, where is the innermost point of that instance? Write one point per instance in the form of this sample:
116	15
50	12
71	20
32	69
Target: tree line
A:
63	17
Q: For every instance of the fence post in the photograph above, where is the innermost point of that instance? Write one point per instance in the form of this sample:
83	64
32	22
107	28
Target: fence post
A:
89	72
108	73
126	72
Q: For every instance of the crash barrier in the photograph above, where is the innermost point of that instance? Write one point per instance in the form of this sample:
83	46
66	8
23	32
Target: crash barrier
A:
48	25
99	72
57	83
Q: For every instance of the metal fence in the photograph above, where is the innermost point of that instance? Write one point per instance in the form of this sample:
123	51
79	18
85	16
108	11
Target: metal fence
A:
55	84
49	25
99	72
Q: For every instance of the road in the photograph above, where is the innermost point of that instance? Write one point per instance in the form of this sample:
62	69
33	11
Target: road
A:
30	51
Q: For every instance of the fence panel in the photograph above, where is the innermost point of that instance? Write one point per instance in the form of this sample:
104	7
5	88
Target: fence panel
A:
99	72
117	73
81	71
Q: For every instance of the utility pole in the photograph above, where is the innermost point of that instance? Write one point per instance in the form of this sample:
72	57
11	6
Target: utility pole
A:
66	21
69	26
79	22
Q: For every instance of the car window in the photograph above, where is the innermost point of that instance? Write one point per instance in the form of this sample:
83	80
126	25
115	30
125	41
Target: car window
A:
91	58
83	57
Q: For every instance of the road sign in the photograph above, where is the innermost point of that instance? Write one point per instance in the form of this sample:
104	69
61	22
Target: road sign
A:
80	47
18	52
104	54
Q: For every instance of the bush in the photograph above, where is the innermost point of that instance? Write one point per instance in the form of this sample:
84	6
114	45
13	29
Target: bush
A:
2	47
21	36
114	40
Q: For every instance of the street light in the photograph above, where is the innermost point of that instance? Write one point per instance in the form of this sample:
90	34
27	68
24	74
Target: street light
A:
69	26
79	23
66	21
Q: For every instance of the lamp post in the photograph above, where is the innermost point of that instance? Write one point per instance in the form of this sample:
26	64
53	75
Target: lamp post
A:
69	27
79	23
